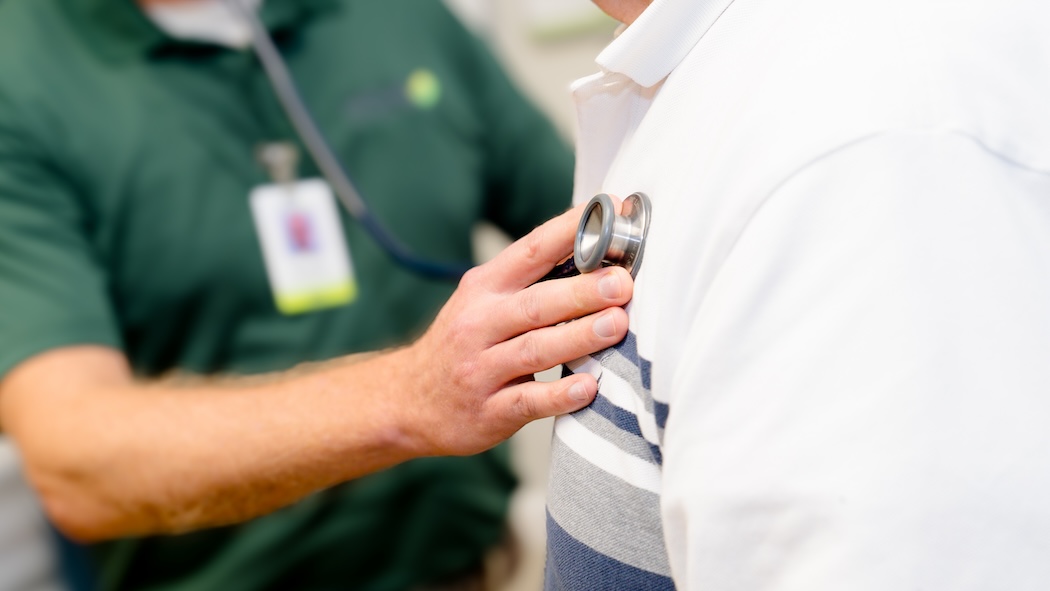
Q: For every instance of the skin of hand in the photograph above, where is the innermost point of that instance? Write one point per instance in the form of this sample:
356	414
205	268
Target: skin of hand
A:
112	455
492	357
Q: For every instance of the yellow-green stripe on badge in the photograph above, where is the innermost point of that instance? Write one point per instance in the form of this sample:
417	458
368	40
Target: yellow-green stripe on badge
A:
316	299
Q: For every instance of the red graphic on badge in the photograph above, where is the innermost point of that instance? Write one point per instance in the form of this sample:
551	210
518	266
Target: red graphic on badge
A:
300	232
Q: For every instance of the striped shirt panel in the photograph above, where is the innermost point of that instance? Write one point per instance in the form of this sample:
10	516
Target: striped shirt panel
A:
603	520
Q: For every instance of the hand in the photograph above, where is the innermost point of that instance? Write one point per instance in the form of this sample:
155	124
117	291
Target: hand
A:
472	370
153	466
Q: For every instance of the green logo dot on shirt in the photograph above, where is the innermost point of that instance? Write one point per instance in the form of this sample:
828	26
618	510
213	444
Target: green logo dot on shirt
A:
423	88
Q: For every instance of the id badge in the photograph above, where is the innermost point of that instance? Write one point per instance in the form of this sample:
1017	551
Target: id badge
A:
303	246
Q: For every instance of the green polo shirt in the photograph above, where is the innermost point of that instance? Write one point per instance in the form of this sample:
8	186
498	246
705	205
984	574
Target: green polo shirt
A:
126	161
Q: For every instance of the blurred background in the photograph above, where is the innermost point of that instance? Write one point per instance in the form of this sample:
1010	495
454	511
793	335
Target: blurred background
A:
544	45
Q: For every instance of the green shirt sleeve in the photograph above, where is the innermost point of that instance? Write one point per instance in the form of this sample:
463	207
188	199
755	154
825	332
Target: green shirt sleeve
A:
52	287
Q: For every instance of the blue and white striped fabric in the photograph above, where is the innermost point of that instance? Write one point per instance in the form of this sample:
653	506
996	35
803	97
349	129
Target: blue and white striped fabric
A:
603	512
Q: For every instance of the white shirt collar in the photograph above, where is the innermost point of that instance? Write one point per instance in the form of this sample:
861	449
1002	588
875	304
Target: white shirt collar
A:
204	20
649	49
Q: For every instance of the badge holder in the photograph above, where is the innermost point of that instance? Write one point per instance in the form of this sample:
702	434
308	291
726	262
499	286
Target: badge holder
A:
303	244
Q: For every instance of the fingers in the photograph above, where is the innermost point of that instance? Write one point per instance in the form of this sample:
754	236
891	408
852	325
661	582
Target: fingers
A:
500	327
544	348
527	260
551	302
517	405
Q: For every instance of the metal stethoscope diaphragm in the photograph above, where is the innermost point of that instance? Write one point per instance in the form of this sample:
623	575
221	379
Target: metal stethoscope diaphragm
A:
604	238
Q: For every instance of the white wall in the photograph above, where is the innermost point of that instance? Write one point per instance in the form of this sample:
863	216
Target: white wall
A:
545	44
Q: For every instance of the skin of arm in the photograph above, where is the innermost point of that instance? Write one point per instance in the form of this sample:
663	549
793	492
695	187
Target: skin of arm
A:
113	456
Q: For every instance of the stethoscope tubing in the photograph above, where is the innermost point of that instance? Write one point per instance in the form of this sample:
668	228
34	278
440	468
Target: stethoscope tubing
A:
602	237
317	146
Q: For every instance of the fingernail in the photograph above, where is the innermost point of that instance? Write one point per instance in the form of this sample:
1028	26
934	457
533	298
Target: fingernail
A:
578	392
609	286
605	327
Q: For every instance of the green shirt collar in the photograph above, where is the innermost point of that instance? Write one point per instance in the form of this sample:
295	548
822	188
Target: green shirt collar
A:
120	30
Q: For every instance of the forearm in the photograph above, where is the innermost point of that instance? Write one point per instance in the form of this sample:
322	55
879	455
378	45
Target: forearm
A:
132	458
112	457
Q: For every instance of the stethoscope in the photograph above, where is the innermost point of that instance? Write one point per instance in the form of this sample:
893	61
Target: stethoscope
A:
602	238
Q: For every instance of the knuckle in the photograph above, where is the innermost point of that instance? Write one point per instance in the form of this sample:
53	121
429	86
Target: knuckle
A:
472	278
463	330
582	295
529	306
529	352
533	243
524	405
463	374
585	340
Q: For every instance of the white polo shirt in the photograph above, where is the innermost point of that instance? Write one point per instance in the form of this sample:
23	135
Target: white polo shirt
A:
838	373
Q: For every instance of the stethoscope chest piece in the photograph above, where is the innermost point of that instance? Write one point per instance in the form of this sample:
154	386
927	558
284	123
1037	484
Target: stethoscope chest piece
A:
604	238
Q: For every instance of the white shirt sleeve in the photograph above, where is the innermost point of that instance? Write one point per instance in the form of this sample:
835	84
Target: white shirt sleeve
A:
864	401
